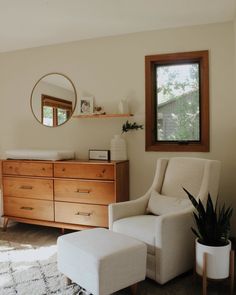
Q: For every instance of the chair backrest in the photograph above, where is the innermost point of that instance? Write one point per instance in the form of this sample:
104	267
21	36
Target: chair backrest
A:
198	176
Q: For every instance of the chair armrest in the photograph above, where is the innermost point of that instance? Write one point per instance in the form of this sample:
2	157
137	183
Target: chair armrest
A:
171	225
121	210
174	243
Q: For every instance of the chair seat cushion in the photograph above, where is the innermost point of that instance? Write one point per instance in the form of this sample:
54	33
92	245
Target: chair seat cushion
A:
141	227
159	204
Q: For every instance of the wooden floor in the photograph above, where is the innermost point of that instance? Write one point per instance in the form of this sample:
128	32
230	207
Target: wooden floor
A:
187	284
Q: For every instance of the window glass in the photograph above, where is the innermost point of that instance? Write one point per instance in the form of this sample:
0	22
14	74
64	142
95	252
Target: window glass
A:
177	88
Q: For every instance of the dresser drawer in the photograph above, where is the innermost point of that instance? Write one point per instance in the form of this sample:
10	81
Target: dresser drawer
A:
28	208
92	215
27	168
86	171
92	192
28	188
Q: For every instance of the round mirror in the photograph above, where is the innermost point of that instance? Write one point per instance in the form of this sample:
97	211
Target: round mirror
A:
53	99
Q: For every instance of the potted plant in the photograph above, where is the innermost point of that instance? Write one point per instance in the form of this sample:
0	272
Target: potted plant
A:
131	126
212	231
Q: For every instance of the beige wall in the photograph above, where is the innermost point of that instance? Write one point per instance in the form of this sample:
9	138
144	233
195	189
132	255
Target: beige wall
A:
110	69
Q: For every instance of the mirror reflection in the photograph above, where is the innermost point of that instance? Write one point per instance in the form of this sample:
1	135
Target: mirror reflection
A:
53	99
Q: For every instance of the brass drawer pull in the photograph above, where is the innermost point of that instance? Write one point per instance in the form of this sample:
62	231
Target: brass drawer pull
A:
101	174
26	208
26	187
83	213
83	191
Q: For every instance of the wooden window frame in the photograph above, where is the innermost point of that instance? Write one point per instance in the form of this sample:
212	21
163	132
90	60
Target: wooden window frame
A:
56	103
151	61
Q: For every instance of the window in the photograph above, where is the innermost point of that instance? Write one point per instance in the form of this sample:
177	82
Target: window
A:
177	102
55	111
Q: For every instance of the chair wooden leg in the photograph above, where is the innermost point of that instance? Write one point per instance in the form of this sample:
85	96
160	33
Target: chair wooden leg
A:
133	289
5	222
68	281
231	272
204	275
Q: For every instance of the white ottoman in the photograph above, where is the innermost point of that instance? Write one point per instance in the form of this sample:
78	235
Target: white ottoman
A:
101	261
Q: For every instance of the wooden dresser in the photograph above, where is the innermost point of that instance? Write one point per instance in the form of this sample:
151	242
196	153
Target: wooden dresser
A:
65	194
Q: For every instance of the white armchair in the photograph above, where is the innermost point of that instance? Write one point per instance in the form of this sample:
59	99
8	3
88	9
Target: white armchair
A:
168	235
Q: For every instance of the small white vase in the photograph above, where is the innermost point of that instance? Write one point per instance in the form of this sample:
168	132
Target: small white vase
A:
218	259
118	148
123	107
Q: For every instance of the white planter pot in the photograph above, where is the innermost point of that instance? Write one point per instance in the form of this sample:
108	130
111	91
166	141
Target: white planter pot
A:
218	260
118	148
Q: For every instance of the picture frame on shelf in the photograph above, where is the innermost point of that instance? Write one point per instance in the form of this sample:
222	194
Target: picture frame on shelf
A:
86	106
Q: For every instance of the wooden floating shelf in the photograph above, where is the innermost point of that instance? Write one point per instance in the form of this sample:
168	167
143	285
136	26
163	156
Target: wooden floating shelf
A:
103	116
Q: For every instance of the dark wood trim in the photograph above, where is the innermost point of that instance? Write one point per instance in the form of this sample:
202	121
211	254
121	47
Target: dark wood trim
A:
54	101
177	58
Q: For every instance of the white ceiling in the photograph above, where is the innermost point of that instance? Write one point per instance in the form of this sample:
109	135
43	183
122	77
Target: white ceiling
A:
33	23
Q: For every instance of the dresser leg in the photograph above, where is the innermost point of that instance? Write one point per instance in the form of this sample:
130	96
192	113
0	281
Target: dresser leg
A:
5	222
62	231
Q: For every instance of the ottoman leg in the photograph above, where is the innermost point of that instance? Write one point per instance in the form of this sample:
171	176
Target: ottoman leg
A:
133	289
68	281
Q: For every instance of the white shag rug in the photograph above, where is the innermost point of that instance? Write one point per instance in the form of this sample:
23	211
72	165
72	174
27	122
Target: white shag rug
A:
25	270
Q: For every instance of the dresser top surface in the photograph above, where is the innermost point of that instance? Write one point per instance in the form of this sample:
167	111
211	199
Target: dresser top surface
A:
77	161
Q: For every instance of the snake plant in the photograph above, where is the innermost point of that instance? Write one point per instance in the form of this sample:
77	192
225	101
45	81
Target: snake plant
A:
212	223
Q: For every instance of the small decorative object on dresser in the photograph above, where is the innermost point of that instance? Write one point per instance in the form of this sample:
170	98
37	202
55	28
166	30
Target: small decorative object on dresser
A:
118	143
65	194
99	155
